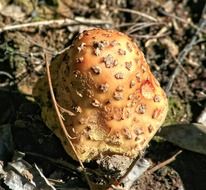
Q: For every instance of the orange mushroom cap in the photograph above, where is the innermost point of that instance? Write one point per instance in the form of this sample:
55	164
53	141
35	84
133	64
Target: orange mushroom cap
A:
104	80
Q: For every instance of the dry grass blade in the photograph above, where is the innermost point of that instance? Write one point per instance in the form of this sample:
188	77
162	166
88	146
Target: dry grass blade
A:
7	82
60	22
135	12
148	36
63	110
140	26
58	162
68	138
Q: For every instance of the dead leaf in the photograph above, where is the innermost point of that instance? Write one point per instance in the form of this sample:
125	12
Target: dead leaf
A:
6	142
187	136
14	181
20	175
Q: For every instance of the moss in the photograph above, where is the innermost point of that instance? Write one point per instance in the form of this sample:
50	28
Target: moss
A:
158	139
179	111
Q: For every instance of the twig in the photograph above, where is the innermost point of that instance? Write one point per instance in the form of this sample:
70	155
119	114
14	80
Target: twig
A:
186	50
136	12
61	163
44	178
60	22
68	138
148	36
162	164
180	65
6	74
141	26
182	20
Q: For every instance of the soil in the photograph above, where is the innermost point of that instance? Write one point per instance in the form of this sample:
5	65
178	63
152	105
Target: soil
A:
167	28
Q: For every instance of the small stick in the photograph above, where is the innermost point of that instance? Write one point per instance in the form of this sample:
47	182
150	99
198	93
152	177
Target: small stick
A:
166	162
44	178
6	83
150	36
141	26
60	163
136	12
59	22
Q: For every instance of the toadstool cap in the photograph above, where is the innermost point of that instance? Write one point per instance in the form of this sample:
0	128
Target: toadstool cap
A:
118	104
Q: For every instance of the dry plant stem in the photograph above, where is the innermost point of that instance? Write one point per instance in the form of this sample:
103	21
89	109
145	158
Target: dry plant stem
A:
180	65
136	12
45	179
61	121
7	82
61	163
150	36
124	24
63	110
162	164
59	22
140	26
186	50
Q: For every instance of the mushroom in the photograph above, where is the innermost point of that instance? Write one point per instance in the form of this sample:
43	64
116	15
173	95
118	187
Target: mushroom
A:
115	105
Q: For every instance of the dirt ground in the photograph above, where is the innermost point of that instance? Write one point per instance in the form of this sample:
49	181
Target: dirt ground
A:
172	34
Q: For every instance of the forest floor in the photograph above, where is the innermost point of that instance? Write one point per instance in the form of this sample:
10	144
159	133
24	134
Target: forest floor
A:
172	35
